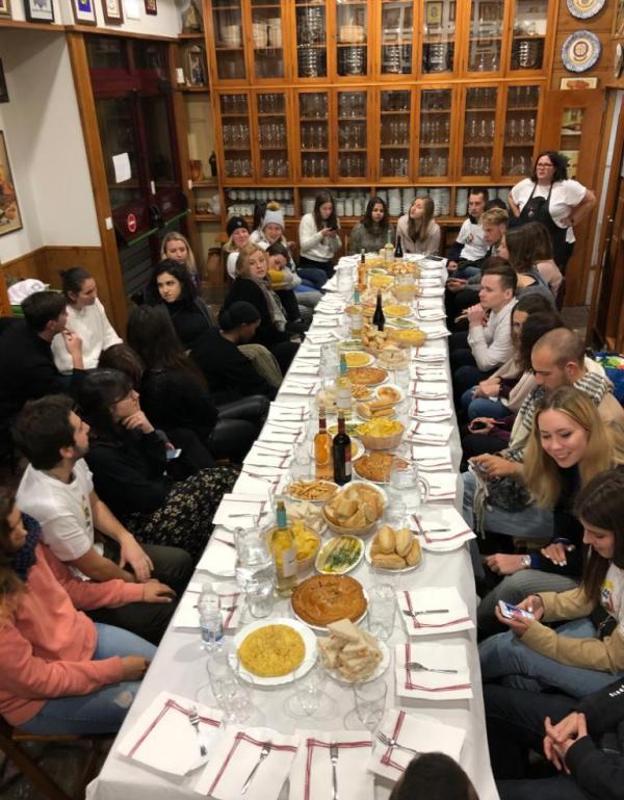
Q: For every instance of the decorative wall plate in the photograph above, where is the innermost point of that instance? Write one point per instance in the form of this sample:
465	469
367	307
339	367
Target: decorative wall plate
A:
619	60
585	9
580	51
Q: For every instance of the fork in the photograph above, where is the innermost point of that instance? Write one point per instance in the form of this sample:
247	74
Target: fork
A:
390	741
193	718
417	666
333	755
266	749
419	613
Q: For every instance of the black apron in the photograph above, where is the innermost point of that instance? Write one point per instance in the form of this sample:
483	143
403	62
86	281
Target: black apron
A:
536	209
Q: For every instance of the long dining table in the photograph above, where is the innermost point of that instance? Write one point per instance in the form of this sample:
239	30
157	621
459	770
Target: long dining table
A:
179	666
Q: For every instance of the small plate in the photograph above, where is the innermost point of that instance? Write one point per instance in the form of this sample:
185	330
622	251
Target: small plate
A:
369	561
367	358
379	389
309	658
320	555
317	501
381	668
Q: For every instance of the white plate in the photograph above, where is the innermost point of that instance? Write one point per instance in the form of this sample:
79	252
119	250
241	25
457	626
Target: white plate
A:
309	659
381	668
369	561
323	628
320	501
390	386
344	572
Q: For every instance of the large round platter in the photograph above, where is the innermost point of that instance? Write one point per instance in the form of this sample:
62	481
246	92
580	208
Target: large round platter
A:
383	665
580	51
369	561
397	310
359	376
321	555
585	9
323	628
309	659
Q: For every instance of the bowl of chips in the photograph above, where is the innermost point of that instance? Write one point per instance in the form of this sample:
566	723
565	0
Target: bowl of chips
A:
355	509
381	433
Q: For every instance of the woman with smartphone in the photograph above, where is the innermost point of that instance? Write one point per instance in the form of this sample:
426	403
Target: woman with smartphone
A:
319	240
585	652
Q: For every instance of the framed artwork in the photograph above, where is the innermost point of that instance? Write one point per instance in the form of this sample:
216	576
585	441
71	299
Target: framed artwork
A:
84	12
578	83
151	7
5	8
433	13
10	217
39	10
113	12
196	66
4	92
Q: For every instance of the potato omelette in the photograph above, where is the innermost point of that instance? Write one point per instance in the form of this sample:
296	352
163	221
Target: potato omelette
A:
272	651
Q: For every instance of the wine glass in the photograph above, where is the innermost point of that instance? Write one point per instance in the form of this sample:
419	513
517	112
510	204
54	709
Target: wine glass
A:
225	686
370	702
308	698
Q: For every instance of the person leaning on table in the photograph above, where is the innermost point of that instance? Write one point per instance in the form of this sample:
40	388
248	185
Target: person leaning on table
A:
61	673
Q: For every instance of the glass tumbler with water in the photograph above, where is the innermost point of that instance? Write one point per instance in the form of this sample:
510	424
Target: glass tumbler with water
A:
255	572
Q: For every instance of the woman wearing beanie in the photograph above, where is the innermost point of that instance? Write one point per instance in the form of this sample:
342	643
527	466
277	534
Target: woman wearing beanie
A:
238	236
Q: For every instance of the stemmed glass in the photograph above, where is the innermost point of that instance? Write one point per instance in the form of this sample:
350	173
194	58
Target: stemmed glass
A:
308	698
370	704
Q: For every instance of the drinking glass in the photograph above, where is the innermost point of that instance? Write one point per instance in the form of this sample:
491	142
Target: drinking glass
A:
381	610
225	686
404	484
302	462
370	702
255	572
308	698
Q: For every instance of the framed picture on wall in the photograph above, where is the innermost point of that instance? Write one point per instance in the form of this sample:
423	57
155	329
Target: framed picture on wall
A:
151	7
5	8
84	12
10	217
113	11
39	10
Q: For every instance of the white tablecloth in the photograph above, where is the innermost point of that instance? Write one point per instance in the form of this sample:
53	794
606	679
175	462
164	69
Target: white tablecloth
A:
179	667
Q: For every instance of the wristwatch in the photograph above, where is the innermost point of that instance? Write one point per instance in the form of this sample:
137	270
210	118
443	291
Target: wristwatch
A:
526	562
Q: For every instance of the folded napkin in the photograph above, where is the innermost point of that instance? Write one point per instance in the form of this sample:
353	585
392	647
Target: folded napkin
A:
163	738
235	755
419	732
322	336
429	372
274	433
432	291
442	530
260	457
429	432
429	390
414	682
431	410
427	311
454	616
311	774
325	321
435	454
283	414
219	557
238	510
304	367
440	485
231	603
435	331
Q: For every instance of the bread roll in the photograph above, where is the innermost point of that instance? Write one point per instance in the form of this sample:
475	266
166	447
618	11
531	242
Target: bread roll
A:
413	557
388	561
403	541
386	540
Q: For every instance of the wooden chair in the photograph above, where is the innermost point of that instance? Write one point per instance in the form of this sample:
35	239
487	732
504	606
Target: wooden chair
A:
11	740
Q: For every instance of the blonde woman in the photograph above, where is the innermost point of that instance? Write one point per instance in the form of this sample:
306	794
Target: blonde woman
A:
176	247
419	231
569	444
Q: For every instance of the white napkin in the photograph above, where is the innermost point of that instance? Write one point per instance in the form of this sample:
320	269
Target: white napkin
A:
235	755
429	432
454	616
311	774
431	410
231	603
417	731
429	372
432	685
271	433
435	331
440	485
294	387
260	457
325	321
304	367
425	311
238	510
219	557
163	738
442	530
283	415
429	390
432	291
322	337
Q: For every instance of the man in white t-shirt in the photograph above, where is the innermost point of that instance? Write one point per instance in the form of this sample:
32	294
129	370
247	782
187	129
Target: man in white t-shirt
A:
466	254
57	491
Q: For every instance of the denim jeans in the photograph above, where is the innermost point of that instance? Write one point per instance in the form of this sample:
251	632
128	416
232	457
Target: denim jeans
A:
103	710
505	659
482	406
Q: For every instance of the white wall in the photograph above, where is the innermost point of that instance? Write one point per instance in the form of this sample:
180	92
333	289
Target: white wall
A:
42	129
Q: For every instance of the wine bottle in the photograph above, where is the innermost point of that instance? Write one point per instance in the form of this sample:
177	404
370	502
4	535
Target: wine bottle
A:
398	250
389	247
284	552
341	453
323	469
379	320
344	394
361	273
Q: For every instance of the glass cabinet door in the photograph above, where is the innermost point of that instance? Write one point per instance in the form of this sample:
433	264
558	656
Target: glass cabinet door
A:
267	38
395	127
311	40
314	134
235	129
486	35
479	130
438	49
397	34
352	35
520	127
352	135
272	135
529	34
227	22
435	133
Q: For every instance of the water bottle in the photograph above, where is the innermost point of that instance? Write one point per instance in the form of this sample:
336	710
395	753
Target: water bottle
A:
210	621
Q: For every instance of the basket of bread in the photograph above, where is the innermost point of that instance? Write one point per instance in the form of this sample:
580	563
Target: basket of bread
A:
350	653
394	549
381	433
356	509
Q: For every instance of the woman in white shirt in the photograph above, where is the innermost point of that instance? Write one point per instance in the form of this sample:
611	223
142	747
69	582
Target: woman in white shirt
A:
419	231
318	240
86	317
549	197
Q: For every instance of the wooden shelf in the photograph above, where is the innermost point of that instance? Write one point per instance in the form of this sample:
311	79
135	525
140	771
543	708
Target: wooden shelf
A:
194	89
206	183
187	36
207	217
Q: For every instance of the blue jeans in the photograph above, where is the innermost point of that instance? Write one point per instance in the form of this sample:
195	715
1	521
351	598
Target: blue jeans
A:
505	659
103	710
465	272
313	276
482	406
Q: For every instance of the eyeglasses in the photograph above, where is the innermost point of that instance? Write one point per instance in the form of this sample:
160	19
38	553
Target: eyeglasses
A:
545	164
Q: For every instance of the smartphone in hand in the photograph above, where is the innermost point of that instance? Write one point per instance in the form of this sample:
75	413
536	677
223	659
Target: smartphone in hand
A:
513	612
